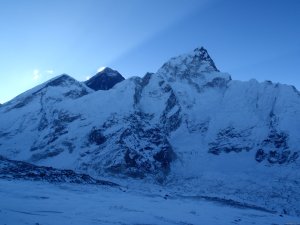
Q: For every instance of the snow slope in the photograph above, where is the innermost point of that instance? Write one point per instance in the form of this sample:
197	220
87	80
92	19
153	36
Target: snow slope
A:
25	202
188	126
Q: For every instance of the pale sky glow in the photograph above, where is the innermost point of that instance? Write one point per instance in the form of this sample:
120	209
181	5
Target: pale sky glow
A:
257	39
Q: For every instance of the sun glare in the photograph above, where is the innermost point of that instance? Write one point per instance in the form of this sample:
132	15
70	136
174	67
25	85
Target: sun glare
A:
101	69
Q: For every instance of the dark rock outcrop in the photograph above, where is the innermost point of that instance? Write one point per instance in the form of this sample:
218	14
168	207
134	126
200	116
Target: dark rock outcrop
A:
104	80
275	149
230	140
12	169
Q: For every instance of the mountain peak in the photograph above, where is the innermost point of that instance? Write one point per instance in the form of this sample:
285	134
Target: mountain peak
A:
106	70
193	63
105	79
202	54
60	80
200	50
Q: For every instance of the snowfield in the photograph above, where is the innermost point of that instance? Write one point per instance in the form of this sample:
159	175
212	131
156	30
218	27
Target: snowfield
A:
28	202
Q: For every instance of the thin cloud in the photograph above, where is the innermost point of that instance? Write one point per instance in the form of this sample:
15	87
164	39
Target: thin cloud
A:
36	74
49	72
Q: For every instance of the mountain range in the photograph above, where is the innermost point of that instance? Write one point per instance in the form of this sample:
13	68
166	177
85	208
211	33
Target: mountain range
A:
188	126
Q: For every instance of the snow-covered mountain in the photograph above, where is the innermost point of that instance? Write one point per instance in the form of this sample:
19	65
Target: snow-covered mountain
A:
105	79
188	125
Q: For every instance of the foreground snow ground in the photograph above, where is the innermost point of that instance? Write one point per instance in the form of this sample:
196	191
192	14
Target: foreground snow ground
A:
40	203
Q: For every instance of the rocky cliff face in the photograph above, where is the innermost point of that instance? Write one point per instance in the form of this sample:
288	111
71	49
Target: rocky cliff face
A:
186	122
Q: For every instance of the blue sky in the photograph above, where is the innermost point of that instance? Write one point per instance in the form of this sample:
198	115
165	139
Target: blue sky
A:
40	39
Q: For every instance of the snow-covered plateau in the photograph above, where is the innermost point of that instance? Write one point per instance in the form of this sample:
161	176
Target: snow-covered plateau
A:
187	144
